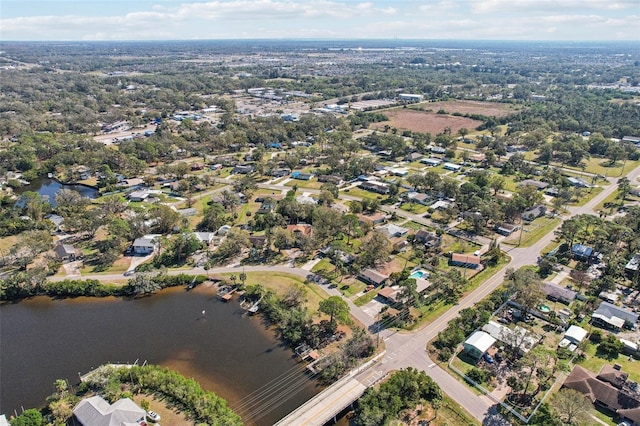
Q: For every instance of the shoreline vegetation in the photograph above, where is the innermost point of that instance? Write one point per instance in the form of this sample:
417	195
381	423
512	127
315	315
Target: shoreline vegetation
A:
181	394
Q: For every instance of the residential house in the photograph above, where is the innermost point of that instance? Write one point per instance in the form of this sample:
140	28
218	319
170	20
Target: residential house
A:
465	260
437	150
333	253
258	241
196	166
419	197
614	317
506	229
306	199
243	169
268	205
632	266
372	219
301	176
391	230
572	337
278	173
67	252
516	337
478	344
534	213
431	162
336	180
398	171
205	237
429	239
300	230
604	394
371	276
96	411
410	97
582	252
535	183
414	156
452	167
138	196
57	220
377	187
390	294
577	182
559	294
441	205
145	245
188	212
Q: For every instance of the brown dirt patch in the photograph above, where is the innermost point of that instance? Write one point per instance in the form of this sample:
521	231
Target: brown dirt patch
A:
168	415
425	122
488	109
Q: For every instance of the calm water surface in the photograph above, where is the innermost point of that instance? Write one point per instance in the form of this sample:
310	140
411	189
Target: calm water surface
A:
48	188
42	340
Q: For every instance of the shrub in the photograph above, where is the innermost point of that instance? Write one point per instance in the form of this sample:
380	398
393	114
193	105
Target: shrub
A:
477	375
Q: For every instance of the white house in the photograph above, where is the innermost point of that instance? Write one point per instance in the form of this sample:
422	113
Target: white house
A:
572	337
205	237
478	343
145	245
452	167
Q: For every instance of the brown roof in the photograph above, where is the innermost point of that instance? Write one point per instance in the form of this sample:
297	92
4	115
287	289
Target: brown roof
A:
388	293
612	398
612	375
302	228
465	258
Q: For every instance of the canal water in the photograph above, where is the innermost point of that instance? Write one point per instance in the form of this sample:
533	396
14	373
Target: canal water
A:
227	352
48	188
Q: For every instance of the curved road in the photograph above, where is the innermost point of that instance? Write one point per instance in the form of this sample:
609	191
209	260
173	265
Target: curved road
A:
408	349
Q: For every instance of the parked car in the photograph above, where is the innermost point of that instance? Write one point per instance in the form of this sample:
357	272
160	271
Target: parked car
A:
488	359
153	416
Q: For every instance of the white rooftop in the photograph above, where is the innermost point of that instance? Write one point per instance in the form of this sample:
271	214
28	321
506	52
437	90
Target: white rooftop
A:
480	340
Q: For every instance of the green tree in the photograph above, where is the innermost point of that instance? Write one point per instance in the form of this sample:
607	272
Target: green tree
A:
336	308
571	406
30	417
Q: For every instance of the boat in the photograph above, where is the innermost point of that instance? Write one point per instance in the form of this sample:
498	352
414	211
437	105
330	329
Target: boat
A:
225	293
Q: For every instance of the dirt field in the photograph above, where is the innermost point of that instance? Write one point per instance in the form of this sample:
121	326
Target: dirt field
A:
489	109
425	122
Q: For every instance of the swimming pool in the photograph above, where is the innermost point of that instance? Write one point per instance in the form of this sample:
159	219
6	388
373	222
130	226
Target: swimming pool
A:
420	273
544	308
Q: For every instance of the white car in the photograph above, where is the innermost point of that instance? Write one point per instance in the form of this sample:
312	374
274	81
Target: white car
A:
153	416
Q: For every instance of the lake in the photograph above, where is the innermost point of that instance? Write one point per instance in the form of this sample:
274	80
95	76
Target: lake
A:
48	188
225	350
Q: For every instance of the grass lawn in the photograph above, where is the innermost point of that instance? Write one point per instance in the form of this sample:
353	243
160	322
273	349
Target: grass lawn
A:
414	208
323	266
610	199
464	366
301	184
361	193
366	298
587	195
594	363
534	231
415	226
118	267
281	282
601	166
351	287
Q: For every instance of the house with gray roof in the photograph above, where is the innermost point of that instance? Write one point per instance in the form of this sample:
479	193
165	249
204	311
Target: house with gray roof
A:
611	316
96	411
67	252
145	245
557	293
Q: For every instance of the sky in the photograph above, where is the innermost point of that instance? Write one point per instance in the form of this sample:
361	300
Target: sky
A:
580	20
